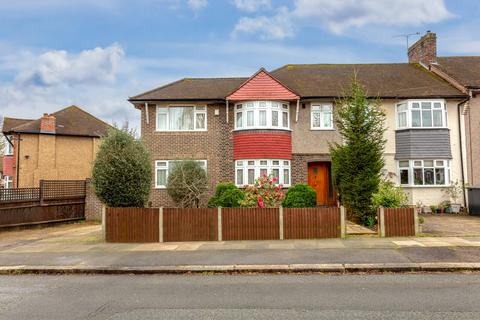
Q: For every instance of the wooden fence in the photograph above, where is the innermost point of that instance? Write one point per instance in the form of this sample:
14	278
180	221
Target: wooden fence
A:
397	222
211	224
54	200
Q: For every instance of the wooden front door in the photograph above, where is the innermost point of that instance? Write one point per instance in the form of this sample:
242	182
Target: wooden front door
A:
319	178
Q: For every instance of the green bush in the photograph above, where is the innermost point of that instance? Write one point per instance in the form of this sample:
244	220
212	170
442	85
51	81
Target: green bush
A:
300	196
187	183
389	196
227	195
121	174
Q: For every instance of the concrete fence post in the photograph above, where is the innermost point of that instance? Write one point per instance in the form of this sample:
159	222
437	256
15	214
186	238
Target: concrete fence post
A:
219	219
415	221
160	224
280	224
381	222
343	223
104	223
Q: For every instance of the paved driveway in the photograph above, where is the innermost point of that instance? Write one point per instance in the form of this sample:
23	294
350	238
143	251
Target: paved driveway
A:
449	225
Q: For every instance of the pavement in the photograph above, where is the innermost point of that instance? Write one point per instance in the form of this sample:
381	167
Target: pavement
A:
78	248
253	296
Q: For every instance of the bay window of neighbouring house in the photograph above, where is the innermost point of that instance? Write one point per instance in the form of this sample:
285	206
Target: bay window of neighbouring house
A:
246	171
421	114
164	167
424	172
261	115
321	117
181	118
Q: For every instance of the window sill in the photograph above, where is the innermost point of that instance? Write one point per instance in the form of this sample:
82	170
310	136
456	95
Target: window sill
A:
418	128
179	131
423	187
262	128
322	129
160	188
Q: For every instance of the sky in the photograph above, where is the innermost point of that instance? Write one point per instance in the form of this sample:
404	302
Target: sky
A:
97	53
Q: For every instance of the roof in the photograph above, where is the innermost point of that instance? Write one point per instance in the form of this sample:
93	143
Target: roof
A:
262	85
193	89
71	121
466	70
392	80
9	123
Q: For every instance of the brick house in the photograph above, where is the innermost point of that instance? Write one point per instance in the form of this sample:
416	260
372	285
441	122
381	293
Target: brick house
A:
58	146
280	123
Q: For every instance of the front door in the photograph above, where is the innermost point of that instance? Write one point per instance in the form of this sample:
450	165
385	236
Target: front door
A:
319	178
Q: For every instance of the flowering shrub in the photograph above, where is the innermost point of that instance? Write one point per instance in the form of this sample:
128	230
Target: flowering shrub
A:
264	193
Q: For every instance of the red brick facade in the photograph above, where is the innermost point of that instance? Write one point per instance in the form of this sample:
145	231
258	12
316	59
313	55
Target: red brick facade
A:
262	144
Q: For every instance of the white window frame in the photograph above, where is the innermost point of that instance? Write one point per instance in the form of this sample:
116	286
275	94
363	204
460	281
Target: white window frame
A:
322	115
8	182
410	109
262	164
411	165
166	167
8	146
165	109
269	106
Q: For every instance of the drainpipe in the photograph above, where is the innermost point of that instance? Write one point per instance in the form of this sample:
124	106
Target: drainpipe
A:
17	163
461	147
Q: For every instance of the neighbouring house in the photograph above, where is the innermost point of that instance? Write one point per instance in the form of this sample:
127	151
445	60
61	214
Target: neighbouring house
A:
464	73
280	123
58	146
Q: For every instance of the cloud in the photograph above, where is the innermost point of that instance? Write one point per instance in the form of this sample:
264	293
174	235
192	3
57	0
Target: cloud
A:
197	4
252	5
55	67
278	26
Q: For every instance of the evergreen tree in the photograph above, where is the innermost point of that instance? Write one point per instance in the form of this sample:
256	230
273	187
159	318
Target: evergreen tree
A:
358	161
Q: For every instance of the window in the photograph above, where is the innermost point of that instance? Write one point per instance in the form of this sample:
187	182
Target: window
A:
181	118
424	172
421	114
261	114
7	182
246	171
321	117
8	146
164	167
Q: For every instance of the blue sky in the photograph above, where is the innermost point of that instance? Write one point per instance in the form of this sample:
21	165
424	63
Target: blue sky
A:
95	54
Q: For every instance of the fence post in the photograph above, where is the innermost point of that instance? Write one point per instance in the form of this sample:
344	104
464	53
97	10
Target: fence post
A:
160	224
415	221
104	223
40	192
219	220
381	222
280	219
343	224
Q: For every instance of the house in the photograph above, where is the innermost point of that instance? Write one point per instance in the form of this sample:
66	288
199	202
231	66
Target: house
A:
58	146
280	123
464	74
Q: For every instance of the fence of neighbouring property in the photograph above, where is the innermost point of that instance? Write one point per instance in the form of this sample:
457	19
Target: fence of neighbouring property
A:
397	222
212	224
53	200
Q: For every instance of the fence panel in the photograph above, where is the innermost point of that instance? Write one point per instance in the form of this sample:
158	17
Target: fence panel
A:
190	224
132	225
399	222
62	189
311	223
250	224
19	195
40	214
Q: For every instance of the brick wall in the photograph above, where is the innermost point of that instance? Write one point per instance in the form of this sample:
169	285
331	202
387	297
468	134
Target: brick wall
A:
300	165
214	145
93	206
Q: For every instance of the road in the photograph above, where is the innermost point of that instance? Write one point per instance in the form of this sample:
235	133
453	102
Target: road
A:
393	296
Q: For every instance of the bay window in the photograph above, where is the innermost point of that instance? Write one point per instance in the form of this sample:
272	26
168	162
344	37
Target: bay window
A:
321	117
424	172
164	167
246	171
181	118
262	115
421	114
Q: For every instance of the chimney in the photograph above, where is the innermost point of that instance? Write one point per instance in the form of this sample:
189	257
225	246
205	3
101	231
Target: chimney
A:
47	123
424	50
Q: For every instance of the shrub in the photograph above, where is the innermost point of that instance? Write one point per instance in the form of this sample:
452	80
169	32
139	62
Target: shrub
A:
300	196
227	195
187	183
121	173
265	193
389	196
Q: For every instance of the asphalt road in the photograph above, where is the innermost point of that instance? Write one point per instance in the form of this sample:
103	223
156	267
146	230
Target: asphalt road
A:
402	296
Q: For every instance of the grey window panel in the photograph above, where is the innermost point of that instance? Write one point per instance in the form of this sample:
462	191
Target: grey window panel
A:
423	144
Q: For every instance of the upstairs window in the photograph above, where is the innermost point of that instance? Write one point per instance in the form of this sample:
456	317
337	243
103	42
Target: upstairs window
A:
262	115
8	146
422	114
321	117
181	118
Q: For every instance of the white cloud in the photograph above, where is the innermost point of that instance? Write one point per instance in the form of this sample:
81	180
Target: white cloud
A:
197	4
278	26
252	5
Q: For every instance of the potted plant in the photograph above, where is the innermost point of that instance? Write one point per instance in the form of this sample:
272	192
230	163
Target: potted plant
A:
418	207
454	191
441	208
433	208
